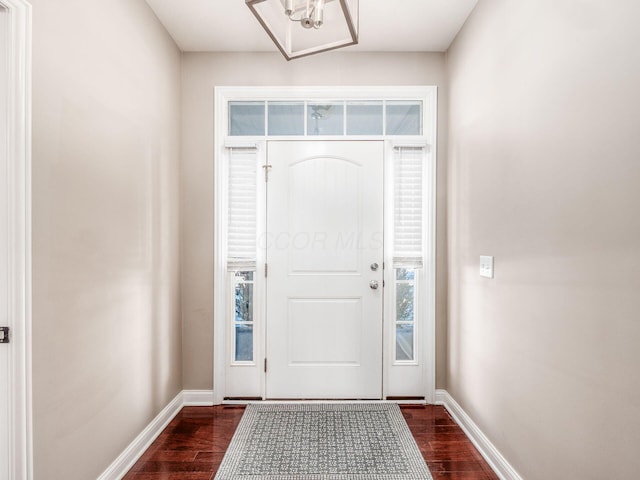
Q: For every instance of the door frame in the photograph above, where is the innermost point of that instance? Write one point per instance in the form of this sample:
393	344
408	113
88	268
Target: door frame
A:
222	97
19	230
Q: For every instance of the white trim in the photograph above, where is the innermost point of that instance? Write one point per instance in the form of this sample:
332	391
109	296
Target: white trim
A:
254	141
429	336
197	398
19	231
440	397
290	93
491	454
219	249
142	442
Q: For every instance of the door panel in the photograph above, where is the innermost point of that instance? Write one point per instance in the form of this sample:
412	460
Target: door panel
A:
324	216
321	331
324	230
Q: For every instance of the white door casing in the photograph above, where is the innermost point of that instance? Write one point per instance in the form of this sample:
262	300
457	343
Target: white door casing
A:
5	373
15	258
324	231
401	379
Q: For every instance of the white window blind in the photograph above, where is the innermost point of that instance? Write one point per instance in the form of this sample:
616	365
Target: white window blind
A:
242	239
408	165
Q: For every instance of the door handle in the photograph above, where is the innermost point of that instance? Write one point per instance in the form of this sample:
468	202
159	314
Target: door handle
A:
373	285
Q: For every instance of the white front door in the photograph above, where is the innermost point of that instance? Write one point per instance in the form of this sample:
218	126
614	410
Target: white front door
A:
324	284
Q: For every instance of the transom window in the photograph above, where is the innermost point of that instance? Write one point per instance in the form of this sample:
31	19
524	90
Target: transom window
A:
330	118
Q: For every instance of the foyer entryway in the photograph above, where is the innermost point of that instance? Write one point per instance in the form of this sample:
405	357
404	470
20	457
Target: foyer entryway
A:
324	251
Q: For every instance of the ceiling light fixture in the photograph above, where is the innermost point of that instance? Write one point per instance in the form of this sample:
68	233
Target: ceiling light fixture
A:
304	27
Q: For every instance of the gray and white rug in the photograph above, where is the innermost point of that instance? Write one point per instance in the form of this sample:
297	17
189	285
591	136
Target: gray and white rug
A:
323	442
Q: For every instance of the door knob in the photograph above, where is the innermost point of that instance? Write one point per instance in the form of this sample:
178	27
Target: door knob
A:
374	266
373	284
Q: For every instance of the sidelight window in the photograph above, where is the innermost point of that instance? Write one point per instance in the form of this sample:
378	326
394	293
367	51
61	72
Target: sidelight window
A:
405	293
408	206
243	316
242	247
243	214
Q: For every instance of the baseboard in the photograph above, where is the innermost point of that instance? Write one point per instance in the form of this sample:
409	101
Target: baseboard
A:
441	396
142	442
491	454
197	398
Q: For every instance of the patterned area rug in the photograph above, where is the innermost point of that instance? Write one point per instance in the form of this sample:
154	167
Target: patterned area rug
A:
323	441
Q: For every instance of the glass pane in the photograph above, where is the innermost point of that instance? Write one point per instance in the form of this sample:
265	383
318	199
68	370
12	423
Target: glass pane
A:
244	276
403	118
286	118
364	118
325	119
244	343
244	302
404	342
404	302
246	118
405	274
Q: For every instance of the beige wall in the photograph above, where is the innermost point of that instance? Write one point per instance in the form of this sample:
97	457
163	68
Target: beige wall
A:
106	313
201	72
544	152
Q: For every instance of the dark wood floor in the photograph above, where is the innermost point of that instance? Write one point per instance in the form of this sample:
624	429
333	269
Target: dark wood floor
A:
192	446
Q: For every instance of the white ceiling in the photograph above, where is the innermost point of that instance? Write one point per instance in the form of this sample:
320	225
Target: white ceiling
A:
385	25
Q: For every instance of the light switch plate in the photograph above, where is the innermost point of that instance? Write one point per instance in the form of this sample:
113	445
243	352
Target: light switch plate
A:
486	266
